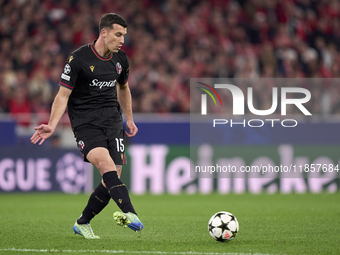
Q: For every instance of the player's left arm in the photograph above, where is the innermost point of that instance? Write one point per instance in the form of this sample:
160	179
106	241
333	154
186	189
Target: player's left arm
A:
125	100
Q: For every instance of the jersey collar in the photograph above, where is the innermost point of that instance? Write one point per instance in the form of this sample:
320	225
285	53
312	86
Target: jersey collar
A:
96	53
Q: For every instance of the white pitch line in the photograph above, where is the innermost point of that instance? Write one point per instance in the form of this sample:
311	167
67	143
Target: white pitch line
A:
122	252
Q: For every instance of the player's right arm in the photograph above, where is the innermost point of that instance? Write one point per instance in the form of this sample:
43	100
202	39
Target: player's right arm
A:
58	108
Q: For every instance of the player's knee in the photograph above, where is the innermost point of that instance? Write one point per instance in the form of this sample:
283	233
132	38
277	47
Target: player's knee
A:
104	166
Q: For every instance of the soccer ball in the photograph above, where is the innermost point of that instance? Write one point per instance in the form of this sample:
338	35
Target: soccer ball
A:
223	226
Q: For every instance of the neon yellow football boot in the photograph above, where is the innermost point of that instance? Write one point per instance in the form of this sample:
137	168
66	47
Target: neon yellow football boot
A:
84	230
129	219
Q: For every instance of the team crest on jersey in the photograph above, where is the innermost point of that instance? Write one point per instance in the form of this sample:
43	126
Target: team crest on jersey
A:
118	68
67	69
92	68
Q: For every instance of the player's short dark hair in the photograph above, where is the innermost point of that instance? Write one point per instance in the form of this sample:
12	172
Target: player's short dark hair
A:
109	19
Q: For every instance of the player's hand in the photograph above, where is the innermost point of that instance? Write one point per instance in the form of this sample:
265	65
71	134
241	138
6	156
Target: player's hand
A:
132	129
43	132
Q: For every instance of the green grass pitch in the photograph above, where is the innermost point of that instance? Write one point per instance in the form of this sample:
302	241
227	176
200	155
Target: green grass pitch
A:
173	224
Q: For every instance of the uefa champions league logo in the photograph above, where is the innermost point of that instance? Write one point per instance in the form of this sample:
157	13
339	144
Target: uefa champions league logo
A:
70	173
67	69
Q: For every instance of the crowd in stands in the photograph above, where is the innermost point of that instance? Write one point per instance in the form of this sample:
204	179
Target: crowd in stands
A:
169	42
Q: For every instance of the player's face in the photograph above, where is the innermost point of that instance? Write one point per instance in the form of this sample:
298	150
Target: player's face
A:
115	38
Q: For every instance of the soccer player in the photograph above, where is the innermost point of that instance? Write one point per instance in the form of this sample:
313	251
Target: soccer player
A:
94	87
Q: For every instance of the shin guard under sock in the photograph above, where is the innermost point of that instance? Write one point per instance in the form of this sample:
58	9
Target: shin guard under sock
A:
118	191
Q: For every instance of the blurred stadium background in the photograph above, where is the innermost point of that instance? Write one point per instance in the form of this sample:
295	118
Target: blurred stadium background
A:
168	42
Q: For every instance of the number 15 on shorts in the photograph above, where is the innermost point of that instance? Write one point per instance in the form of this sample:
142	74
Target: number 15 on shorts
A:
120	144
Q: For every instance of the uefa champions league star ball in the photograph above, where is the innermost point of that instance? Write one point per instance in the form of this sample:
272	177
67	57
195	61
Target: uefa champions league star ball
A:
223	226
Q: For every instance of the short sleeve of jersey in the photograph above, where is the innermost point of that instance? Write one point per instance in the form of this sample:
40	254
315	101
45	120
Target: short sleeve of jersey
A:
71	72
124	75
